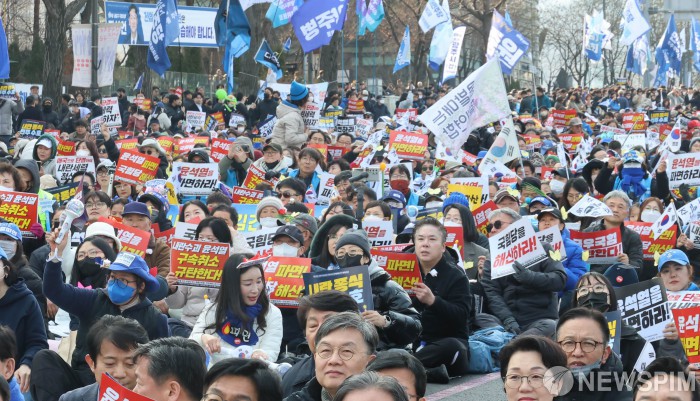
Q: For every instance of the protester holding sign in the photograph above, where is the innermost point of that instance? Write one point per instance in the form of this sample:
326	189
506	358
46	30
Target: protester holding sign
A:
633	178
289	128
233	168
241	322
473	255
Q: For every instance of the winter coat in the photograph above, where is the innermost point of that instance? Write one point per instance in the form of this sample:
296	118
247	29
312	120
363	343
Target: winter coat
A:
7	108
631	246
191	301
315	181
310	392
289	128
391	300
159	257
269	340
29	113
281	166
87	393
232	172
50	164
298	375
264	109
574	266
532	298
68	122
20	311
601	377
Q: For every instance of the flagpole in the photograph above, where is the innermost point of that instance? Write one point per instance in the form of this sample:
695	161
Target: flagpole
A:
342	59
374	64
357	58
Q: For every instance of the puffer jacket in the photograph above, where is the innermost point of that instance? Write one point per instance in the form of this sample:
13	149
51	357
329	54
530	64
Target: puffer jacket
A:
7	108
50	164
531	299
289	128
574	265
391	300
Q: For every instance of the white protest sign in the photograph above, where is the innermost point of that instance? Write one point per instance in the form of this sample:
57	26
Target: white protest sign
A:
66	166
326	189
683	169
518	242
589	206
265	129
630	141
552	235
496	169
421	185
185	230
379	232
311	114
432	16
195	119
260	240
644	306
95	125
111	115
196	179
363	126
236	119
682	299
695	234
689	212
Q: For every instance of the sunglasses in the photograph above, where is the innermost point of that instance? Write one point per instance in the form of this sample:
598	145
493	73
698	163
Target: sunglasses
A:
498	224
287	195
102	150
427	168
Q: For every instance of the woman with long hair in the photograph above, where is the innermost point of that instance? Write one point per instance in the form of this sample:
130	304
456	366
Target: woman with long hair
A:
241	322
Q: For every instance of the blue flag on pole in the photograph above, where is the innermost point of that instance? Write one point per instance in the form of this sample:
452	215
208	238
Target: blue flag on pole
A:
695	43
227	62
374	14
403	57
669	52
316	21
637	55
361	10
4	54
232	27
506	18
166	28
139	83
281	11
287	44
268	58
506	43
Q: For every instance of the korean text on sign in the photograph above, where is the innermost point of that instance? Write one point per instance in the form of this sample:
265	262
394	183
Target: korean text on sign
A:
20	208
687	321
644	306
136	168
197	179
666	241
285	280
354	281
198	263
602	246
133	240
517	242
403	268
408	145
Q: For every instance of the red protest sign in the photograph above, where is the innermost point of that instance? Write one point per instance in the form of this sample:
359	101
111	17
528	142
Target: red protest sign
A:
412	114
634	122
133	240
246	195
603	246
481	215
198	263
403	268
126	144
184	145
321	147
666	241
202	140
123	134
337	151
285	280
571	141
355	105
687	325
454	234
219	149
408	145
20	208
219	117
561	118
547	173
166	143
56	133
254	177
166	235
468	158
136	168
664	130
110	390
65	148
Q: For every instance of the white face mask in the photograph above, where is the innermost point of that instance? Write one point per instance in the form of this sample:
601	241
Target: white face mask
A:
380	101
10	248
557	187
285	250
82	152
372	217
432	204
240	130
268	222
450	223
287	160
365	98
648	216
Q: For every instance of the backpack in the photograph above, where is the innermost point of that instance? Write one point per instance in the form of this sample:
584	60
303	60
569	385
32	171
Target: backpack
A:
484	347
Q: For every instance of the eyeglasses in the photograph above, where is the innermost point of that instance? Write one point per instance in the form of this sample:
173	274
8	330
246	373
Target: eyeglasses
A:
270	153
587	346
102	150
427	168
122	282
150	152
398	177
95	205
345	354
287	195
515	381
498	224
341	253
102	173
92	253
596	288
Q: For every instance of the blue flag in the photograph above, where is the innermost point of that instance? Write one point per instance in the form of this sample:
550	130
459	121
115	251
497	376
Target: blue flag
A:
232	27
229	57
442	39
166	28
695	43
374	14
4	54
287	44
361	10
316	21
506	43
507	19
637	55
281	11
669	52
268	58
139	83
403	57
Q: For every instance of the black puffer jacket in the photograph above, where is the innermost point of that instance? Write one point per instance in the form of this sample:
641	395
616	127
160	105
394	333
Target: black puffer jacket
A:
532	299
391	300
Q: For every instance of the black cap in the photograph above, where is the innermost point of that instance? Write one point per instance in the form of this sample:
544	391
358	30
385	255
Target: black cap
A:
561	172
554	212
291	232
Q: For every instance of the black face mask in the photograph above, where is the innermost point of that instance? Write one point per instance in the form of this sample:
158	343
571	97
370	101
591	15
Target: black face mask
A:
349	261
88	266
595	300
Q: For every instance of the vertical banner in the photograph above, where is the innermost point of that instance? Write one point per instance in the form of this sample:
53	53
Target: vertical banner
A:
449	71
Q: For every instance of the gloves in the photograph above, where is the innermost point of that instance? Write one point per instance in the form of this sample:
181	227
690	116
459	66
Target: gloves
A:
511	325
521	273
37	230
272	174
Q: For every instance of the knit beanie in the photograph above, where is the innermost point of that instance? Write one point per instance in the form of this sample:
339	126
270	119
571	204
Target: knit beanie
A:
268	201
455	197
354	237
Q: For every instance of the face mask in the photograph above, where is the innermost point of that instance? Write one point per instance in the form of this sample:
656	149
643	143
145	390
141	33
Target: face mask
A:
287	160
595	300
118	295
268	222
349	261
450	223
372	218
10	248
635	174
582	372
400	185
432	204
82	153
380	101
365	98
650	216
285	250
89	266
557	187
240	130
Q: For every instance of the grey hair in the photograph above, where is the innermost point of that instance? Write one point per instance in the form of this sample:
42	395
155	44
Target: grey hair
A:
507	211
350	320
368	380
618	194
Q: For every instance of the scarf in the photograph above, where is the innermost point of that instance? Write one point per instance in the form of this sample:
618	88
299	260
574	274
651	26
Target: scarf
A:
233	332
631	182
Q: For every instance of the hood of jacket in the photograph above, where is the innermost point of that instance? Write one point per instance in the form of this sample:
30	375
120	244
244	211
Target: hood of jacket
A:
322	233
30	165
54	146
285	108
377	275
15	293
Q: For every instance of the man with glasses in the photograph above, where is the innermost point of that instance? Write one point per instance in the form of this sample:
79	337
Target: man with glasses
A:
345	343
241	379
444	300
536	313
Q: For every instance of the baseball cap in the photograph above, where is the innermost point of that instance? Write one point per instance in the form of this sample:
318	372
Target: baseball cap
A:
306	221
575	121
291	232
395	196
673	255
276	147
621	275
136	208
503	194
11	230
134	264
542	200
553	211
561	172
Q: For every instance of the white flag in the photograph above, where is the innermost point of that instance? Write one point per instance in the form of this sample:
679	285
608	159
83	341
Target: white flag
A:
673	139
665	221
633	23
589	206
479	100
681	37
505	147
449	70
433	15
690	212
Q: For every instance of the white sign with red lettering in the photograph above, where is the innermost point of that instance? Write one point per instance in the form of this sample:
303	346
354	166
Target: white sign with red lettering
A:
518	242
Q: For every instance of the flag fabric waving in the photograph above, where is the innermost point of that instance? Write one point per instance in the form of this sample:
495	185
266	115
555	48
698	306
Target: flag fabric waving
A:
232	28
442	38
373	15
403	57
449	70
506	43
281	11
268	58
668	52
633	23
665	221
505	147
432	16
139	83
638	55
166	28
695	43
287	44
4	54
315	22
